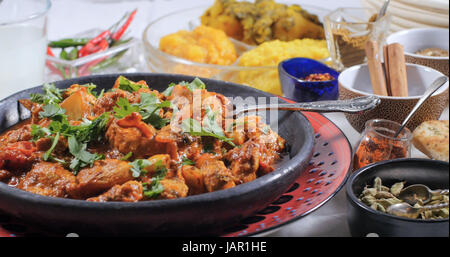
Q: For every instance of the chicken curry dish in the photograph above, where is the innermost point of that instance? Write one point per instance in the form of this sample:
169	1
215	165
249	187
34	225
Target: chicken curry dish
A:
132	143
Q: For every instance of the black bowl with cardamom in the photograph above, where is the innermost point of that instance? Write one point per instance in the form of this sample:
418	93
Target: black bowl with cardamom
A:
364	221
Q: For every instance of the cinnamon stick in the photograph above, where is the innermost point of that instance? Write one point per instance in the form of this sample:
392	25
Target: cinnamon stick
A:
397	70
377	77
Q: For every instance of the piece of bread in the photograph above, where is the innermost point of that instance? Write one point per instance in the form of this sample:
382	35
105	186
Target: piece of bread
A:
431	138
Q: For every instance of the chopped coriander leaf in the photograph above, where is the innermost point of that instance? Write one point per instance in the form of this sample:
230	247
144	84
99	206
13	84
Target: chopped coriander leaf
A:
152	190
82	158
156	121
128	85
85	132
127	156
138	167
196	84
123	108
89	87
92	130
155	188
210	123
51	95
147	108
169	90
78	138
187	161
47	154
38	132
149	105
210	128
52	111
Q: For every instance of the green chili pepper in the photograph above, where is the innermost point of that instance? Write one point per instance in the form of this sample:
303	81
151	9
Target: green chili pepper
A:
108	62
73	54
68	42
63	54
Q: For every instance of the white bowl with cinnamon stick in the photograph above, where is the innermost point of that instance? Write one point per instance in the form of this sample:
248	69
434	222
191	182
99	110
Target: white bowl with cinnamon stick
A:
425	46
356	81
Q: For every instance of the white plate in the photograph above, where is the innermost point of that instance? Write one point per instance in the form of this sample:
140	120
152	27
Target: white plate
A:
408	14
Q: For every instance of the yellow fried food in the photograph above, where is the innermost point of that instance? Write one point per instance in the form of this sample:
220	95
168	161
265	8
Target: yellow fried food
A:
271	54
203	45
262	21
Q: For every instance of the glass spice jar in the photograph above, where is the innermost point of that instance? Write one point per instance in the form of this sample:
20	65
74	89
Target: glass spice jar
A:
377	143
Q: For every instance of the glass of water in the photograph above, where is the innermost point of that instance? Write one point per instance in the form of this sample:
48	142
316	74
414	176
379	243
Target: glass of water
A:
23	44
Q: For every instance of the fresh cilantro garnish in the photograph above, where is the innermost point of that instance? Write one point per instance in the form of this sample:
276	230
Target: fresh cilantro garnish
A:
147	108
127	156
187	161
123	108
38	132
128	85
138	167
78	138
169	89
195	84
51	95
82	158
154	188
210	128
48	153
52	111
89	87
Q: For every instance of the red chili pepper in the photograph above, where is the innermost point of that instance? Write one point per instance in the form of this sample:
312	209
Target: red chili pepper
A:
49	51
101	46
50	65
118	34
95	44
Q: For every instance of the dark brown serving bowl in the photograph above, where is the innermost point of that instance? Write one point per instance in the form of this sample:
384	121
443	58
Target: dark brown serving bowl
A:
205	214
363	220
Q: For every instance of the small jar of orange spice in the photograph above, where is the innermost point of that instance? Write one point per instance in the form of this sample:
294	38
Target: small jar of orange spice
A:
377	143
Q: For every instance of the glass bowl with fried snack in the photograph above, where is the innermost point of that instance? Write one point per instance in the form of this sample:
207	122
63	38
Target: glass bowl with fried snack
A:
197	42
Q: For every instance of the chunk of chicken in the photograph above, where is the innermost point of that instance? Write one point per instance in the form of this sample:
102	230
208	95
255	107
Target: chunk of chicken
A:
131	191
215	175
18	156
253	158
49	179
173	188
16	135
194	179
103	175
244	161
131	139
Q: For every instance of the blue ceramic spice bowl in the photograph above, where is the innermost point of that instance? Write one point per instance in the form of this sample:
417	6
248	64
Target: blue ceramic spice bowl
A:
291	72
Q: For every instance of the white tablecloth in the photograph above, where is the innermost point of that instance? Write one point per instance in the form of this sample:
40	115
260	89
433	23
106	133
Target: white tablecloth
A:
68	17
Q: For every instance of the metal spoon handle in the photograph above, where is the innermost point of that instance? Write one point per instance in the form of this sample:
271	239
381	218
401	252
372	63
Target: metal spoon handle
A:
354	105
433	88
440	192
434	207
383	9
